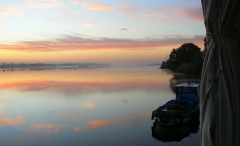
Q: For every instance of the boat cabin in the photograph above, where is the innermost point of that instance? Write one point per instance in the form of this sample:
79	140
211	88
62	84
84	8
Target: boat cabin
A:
187	91
187	94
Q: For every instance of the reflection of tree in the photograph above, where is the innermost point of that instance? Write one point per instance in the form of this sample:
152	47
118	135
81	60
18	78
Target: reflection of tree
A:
181	78
174	133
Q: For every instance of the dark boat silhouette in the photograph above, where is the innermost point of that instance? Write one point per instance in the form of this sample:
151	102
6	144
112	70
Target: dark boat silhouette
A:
174	133
182	109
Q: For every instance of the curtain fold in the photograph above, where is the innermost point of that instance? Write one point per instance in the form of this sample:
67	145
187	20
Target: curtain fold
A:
220	83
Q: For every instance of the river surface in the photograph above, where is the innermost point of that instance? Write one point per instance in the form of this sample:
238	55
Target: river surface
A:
89	107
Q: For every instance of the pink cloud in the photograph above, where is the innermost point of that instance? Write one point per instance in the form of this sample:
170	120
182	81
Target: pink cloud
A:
195	14
44	3
97	6
88	25
154	13
124	6
192	13
77	43
13	11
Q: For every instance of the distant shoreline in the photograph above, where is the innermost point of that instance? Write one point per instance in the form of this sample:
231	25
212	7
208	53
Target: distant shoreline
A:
51	66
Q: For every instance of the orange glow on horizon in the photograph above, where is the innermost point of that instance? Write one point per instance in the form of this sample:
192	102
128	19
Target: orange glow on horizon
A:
81	56
92	51
82	85
82	80
81	75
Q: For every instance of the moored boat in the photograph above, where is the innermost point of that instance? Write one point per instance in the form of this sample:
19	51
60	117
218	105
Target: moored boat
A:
174	133
182	109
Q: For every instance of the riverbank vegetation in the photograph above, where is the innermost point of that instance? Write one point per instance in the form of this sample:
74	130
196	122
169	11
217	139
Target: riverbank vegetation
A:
188	59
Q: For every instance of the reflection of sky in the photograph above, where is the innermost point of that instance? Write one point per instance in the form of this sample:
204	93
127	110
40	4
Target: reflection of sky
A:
102	115
83	80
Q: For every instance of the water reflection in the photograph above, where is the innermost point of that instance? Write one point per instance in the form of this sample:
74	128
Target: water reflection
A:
47	128
76	81
81	107
80	86
174	133
6	121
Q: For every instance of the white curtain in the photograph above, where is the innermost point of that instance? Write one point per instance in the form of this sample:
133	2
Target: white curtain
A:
220	83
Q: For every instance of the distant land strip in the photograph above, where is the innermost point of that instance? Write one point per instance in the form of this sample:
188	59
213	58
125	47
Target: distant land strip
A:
50	66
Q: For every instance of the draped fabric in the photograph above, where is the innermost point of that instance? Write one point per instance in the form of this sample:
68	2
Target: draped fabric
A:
220	83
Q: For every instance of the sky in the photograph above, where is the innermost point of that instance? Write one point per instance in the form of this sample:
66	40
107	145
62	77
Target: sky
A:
99	31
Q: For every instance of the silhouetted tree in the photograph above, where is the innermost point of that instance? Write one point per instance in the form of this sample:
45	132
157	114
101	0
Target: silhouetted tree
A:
185	59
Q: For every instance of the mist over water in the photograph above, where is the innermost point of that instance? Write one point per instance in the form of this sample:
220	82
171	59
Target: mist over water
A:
91	106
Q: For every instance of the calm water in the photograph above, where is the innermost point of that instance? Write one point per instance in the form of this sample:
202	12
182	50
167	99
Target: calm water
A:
104	106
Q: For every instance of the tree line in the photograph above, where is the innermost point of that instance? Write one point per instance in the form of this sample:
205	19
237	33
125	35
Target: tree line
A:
188	59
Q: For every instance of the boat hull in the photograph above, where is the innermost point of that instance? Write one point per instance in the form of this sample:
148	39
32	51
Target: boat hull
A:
171	118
